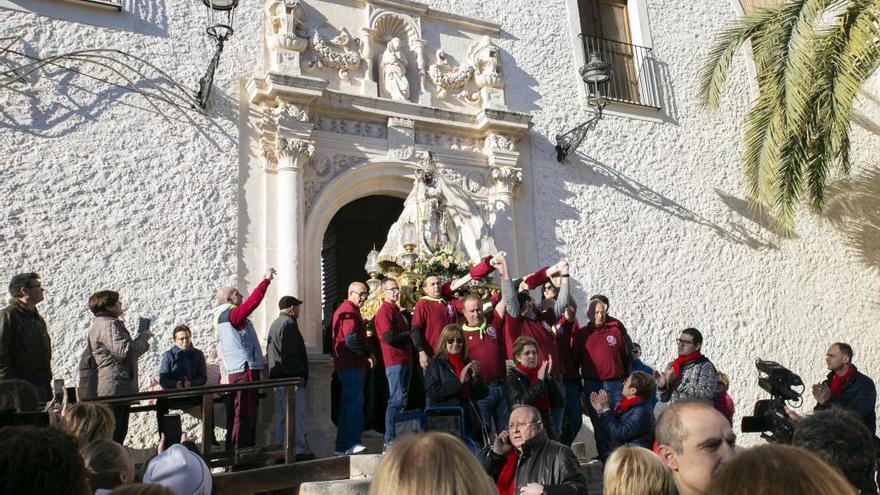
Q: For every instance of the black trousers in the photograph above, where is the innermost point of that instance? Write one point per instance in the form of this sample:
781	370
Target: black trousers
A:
120	414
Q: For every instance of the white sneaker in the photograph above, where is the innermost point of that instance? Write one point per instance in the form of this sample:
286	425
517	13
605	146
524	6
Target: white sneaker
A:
339	453
357	449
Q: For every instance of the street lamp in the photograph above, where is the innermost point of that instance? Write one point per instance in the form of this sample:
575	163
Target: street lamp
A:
219	20
595	73
372	268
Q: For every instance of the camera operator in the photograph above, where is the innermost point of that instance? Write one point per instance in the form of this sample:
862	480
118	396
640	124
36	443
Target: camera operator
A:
846	387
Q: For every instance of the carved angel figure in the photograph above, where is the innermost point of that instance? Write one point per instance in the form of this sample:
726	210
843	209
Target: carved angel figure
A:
393	69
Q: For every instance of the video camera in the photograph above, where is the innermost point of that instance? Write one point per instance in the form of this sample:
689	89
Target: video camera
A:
769	417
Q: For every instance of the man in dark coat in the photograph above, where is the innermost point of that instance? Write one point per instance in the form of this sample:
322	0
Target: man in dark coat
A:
523	461
846	387
25	347
286	351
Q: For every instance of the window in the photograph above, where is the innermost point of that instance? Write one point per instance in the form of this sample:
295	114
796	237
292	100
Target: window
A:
608	31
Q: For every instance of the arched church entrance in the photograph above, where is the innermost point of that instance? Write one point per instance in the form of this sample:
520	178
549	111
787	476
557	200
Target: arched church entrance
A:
356	228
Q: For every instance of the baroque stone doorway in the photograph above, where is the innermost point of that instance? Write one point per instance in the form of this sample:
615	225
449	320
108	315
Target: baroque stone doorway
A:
354	230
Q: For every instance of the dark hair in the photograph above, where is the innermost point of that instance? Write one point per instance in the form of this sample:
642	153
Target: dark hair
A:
18	395
591	308
21	281
845	349
840	438
37	461
288	302
521	342
523	297
643	383
636	345
693	332
103	300
181	328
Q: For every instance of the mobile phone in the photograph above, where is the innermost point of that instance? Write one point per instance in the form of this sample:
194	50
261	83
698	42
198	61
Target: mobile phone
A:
143	325
71	395
58	387
169	424
446	419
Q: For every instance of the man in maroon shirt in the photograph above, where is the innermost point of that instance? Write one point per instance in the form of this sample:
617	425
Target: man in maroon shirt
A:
242	358
485	344
602	348
351	358
394	339
439	307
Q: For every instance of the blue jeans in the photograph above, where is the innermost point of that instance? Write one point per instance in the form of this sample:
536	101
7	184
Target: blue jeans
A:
398	381
572	419
350	423
493	408
615	392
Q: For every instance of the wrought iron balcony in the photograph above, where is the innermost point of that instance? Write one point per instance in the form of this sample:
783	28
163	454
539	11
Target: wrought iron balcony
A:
633	71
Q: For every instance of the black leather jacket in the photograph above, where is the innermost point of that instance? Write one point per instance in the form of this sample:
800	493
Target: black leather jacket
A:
520	391
543	461
443	388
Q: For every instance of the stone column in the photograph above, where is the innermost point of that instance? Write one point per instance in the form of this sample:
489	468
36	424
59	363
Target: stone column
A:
506	179
293	149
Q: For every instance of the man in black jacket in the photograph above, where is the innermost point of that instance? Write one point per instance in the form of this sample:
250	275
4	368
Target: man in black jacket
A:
25	347
846	387
287	358
525	458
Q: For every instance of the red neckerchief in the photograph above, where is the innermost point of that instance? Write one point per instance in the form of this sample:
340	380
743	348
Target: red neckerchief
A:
457	362
837	382
681	360
625	405
507	479
542	404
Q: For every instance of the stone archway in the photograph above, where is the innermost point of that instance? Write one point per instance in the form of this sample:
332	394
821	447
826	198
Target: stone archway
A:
370	179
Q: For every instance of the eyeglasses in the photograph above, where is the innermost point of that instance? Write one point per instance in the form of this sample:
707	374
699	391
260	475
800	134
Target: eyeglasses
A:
456	340
181	338
359	294
517	426
684	342
636	351
393	289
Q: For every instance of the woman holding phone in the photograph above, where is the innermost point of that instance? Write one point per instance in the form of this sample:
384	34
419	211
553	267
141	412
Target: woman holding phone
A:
116	353
453	379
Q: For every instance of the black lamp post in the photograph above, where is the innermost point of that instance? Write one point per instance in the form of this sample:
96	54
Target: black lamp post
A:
219	19
597	74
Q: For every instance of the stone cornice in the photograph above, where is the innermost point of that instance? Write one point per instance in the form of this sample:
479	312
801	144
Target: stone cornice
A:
467	23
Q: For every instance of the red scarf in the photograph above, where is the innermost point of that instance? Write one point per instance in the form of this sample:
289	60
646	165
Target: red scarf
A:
837	382
542	404
507	479
457	362
625	405
681	360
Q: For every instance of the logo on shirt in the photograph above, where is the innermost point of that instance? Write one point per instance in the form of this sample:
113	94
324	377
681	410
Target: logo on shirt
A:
545	325
491	332
612	340
450	310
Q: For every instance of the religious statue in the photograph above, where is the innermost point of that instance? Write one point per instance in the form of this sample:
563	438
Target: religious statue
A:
442	212
393	70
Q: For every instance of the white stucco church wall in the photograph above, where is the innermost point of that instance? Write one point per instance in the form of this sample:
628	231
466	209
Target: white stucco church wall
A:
102	192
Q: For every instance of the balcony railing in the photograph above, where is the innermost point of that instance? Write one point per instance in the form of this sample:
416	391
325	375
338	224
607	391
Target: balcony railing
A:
633	71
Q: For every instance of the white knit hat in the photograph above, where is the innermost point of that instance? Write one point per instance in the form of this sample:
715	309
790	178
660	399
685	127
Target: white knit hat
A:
180	470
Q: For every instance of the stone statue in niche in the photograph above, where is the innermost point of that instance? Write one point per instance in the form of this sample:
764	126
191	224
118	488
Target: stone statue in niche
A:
393	70
285	37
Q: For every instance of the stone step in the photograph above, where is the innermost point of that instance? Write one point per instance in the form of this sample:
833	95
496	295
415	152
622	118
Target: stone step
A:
338	487
364	466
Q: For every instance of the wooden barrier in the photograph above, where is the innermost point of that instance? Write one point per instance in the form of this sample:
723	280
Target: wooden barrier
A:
285	478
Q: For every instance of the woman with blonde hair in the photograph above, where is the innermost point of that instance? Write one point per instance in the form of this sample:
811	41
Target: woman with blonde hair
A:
453	379
637	471
430	463
108	465
772	469
89	421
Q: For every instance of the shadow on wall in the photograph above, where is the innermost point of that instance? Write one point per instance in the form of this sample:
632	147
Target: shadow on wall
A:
521	97
149	17
754	215
54	100
853	208
603	175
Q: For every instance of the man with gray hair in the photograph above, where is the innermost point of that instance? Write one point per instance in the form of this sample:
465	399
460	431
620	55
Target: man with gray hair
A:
524	461
25	347
693	440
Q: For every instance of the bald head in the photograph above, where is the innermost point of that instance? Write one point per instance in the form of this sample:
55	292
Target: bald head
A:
357	293
228	295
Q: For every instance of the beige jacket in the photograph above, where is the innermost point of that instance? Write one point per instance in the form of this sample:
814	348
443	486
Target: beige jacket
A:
116	355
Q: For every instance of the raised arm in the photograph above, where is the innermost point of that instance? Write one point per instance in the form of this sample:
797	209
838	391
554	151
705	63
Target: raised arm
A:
564	290
508	291
240	313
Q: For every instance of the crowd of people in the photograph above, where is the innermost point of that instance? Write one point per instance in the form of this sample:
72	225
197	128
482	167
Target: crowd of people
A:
520	371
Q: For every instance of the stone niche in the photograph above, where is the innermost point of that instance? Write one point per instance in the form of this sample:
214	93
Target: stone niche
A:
347	100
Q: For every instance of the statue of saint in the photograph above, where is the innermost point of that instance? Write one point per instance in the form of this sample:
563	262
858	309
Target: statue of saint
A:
443	213
393	68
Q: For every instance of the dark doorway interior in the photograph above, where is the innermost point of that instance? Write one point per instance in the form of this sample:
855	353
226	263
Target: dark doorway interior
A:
354	230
